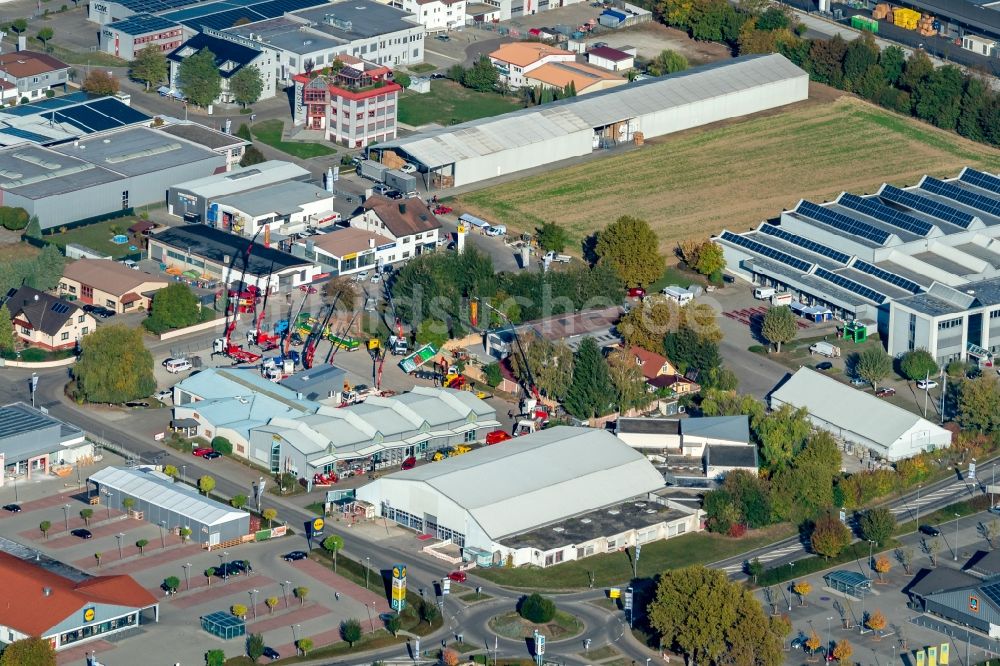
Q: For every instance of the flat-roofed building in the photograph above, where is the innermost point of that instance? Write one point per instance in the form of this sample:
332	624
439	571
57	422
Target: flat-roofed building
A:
109	284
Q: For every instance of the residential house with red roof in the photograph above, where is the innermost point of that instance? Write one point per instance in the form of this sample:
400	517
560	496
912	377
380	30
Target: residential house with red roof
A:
408	222
33	74
35	601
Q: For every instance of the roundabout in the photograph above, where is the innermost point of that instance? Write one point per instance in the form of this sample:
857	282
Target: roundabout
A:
563	626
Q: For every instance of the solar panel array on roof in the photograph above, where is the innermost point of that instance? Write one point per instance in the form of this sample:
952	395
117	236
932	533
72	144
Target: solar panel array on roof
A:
985	181
872	207
886	276
810	245
112	107
152	6
766	251
226	13
927	206
60	308
842	222
956	193
97	116
141	24
46	104
992	592
851	285
24	134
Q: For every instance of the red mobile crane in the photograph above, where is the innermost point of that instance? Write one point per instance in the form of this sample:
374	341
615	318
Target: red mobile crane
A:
537	415
257	336
225	345
315	335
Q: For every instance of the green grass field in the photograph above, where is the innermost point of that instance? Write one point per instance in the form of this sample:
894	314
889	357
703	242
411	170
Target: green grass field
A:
449	104
97	237
735	174
269	132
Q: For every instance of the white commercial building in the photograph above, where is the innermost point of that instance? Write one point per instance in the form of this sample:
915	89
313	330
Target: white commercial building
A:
554	496
193	199
437	15
285	208
343	251
483	149
859	418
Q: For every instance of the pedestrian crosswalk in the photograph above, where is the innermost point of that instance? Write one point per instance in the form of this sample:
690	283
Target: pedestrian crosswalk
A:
930	498
772	555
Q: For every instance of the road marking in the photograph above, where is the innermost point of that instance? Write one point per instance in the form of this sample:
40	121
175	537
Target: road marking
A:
427	50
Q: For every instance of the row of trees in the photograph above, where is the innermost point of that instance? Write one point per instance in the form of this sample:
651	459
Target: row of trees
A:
198	77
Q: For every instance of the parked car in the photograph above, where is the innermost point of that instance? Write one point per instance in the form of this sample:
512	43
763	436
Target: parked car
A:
636	292
201	451
82	533
271	653
98	311
177	365
443	37
409	463
926	384
857	381
496	437
394	194
798	642
164	395
381	188
212	455
498	230
458	576
885	392
376	278
929	530
442	210
295	556
13	508
369	304
408	168
824	366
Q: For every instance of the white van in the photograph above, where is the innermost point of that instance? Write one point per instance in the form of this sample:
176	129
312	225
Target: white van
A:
176	365
763	293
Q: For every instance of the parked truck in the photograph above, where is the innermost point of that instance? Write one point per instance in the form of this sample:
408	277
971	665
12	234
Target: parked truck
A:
561	258
825	349
372	170
781	299
398	345
404	182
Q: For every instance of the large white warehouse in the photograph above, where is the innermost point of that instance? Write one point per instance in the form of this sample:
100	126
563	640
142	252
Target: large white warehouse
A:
557	495
531	137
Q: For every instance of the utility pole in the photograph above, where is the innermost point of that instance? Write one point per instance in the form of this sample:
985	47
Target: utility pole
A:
927	391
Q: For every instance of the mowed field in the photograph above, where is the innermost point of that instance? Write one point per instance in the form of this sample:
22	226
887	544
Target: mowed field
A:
735	174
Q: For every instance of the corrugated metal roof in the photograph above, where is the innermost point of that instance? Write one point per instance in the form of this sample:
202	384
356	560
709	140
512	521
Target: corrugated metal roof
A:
524	127
174	497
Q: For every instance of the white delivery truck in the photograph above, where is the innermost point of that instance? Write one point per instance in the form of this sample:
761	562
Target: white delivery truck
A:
825	349
763	293
552	256
781	299
679	294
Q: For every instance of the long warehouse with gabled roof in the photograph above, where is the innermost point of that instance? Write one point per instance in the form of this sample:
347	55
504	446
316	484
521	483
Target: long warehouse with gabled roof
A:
865	257
490	147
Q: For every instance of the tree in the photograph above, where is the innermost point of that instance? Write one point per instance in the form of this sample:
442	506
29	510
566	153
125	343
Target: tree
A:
98	556
184	533
222	445
149	66
979	404
30	651
171	583
550	364
736	624
491	371
206	484
301	593
176	306
86	514
711	259
873	365
13	218
591	393
238	610
892	60
627	378
115	366
215	658
536	608
552	237
829	535
247	85
341	292
402	78
305	645
171	471
209	573
255	647
667	62
333	544
882	566
128	504
813	642
48	270
433	331
782	433
905	557
974	100
755	568
918	364
8	340
449	657
350	631
393	623
269	515
99	82
238	501
44	35
878	524
842	651
937	99
802	589
199	79
19	25
141	544
779	326
45	526
773	18
482	76
271	602
428	612
631	248
34	228
251	156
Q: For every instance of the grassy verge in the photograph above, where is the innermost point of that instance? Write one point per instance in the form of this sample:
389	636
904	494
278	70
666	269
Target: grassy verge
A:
947	513
97	237
448	103
605	652
616	568
316	507
422	68
92	58
856	552
270	132
675	276
512	625
463	648
472	597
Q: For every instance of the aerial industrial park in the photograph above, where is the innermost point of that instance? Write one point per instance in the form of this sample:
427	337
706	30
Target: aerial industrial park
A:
441	332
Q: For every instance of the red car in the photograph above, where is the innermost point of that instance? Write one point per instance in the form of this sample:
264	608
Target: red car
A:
458	576
410	463
442	210
201	451
636	292
307	289
496	437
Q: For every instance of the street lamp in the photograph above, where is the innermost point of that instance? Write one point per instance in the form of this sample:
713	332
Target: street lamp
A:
370	618
253	602
871	546
284	591
918	501
829	636
120	536
163	543
368	563
187	580
955	549
66	516
184	473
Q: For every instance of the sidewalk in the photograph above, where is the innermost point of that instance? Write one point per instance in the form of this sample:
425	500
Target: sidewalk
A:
220	589
132	562
346	587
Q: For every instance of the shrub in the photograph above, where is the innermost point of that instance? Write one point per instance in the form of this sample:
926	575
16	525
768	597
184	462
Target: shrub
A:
222	445
536	608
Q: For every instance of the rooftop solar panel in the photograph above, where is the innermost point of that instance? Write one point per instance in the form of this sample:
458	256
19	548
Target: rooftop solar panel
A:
25	134
97	122
872	207
141	24
765	251
965	197
927	206
810	245
842	222
886	276
992	592
981	179
122	112
47	104
851	285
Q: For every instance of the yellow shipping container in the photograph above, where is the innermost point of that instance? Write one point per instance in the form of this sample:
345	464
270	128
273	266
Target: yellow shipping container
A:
906	18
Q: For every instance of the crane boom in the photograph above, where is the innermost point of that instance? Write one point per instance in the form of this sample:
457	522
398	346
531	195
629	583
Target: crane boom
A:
520	350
